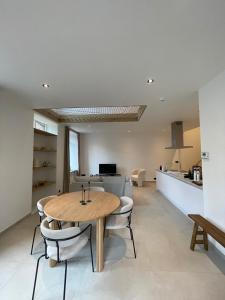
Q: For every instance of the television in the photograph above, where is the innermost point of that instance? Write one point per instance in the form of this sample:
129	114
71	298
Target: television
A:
105	169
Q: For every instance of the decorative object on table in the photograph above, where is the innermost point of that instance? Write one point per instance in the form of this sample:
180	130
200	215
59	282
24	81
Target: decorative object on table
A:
82	201
89	185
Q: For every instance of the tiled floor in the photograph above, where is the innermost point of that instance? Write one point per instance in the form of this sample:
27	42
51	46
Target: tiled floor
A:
165	268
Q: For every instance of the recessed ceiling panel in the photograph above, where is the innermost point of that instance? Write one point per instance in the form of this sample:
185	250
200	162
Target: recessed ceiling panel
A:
95	114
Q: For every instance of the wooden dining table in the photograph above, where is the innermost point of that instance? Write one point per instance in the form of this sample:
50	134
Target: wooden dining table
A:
70	208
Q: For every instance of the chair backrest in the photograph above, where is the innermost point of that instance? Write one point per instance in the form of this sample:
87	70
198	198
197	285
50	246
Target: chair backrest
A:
41	204
56	235
115	185
134	172
141	173
126	206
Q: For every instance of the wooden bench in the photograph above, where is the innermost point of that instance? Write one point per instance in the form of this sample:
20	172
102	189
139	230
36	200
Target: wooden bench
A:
206	227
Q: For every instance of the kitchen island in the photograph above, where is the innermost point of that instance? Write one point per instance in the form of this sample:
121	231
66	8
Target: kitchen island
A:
184	194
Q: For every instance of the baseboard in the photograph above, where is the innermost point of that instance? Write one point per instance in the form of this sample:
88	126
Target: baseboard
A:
8	228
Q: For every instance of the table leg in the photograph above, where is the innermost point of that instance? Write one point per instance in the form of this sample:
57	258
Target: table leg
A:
99	245
52	262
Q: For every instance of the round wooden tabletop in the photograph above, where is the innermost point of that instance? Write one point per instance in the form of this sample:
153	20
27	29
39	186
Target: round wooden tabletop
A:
68	208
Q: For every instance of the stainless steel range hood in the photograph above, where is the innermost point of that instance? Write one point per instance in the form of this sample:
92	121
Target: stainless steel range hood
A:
177	136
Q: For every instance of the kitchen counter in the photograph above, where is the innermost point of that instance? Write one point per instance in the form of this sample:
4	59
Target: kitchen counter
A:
182	192
180	176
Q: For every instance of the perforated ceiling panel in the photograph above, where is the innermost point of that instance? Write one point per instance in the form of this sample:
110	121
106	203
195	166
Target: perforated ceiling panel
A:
104	110
95	114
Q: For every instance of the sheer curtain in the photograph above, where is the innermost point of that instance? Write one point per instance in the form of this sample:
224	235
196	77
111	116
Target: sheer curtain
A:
71	156
74	151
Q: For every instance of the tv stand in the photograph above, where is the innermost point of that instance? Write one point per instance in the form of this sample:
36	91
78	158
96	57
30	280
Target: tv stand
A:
113	174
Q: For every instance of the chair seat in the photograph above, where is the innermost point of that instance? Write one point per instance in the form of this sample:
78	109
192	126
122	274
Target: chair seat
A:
116	222
69	251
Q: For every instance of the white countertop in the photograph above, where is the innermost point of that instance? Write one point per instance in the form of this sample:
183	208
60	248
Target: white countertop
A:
180	176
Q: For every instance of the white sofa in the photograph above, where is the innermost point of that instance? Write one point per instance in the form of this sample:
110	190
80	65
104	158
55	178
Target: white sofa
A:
118	185
138	176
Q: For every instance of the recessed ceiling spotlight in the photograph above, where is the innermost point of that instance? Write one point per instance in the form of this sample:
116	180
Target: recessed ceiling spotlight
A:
150	81
45	85
162	99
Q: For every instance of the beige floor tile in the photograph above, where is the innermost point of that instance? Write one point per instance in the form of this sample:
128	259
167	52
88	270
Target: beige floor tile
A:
165	267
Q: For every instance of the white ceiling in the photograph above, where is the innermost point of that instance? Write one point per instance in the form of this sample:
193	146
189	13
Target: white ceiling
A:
102	53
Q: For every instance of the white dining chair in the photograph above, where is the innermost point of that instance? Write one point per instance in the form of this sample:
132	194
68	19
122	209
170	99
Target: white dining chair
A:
121	218
62	245
40	207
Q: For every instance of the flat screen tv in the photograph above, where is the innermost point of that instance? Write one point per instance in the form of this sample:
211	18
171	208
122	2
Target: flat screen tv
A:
107	169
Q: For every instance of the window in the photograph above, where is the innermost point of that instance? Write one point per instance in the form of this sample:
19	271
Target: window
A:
39	125
74	151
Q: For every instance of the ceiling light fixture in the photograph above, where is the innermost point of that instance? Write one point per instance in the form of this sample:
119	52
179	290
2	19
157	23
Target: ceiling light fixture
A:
150	81
45	85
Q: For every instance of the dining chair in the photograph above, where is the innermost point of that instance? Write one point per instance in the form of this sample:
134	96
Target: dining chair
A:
62	245
40	207
121	218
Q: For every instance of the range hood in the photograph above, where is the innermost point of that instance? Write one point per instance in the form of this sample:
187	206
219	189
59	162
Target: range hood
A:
177	136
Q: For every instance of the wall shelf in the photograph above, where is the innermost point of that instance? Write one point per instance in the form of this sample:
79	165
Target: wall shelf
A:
46	183
38	131
44	150
44	177
42	167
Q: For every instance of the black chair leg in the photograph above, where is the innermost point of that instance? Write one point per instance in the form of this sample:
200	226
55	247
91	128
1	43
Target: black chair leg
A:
132	238
35	279
65	276
31	251
92	263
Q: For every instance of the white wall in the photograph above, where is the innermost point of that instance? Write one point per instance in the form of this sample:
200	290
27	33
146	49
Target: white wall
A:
127	150
212	123
16	154
189	156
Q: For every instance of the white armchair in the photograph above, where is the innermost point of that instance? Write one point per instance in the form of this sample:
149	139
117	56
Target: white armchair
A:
138	176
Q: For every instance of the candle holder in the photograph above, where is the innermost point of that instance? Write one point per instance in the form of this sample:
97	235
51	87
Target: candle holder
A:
82	201
89	190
